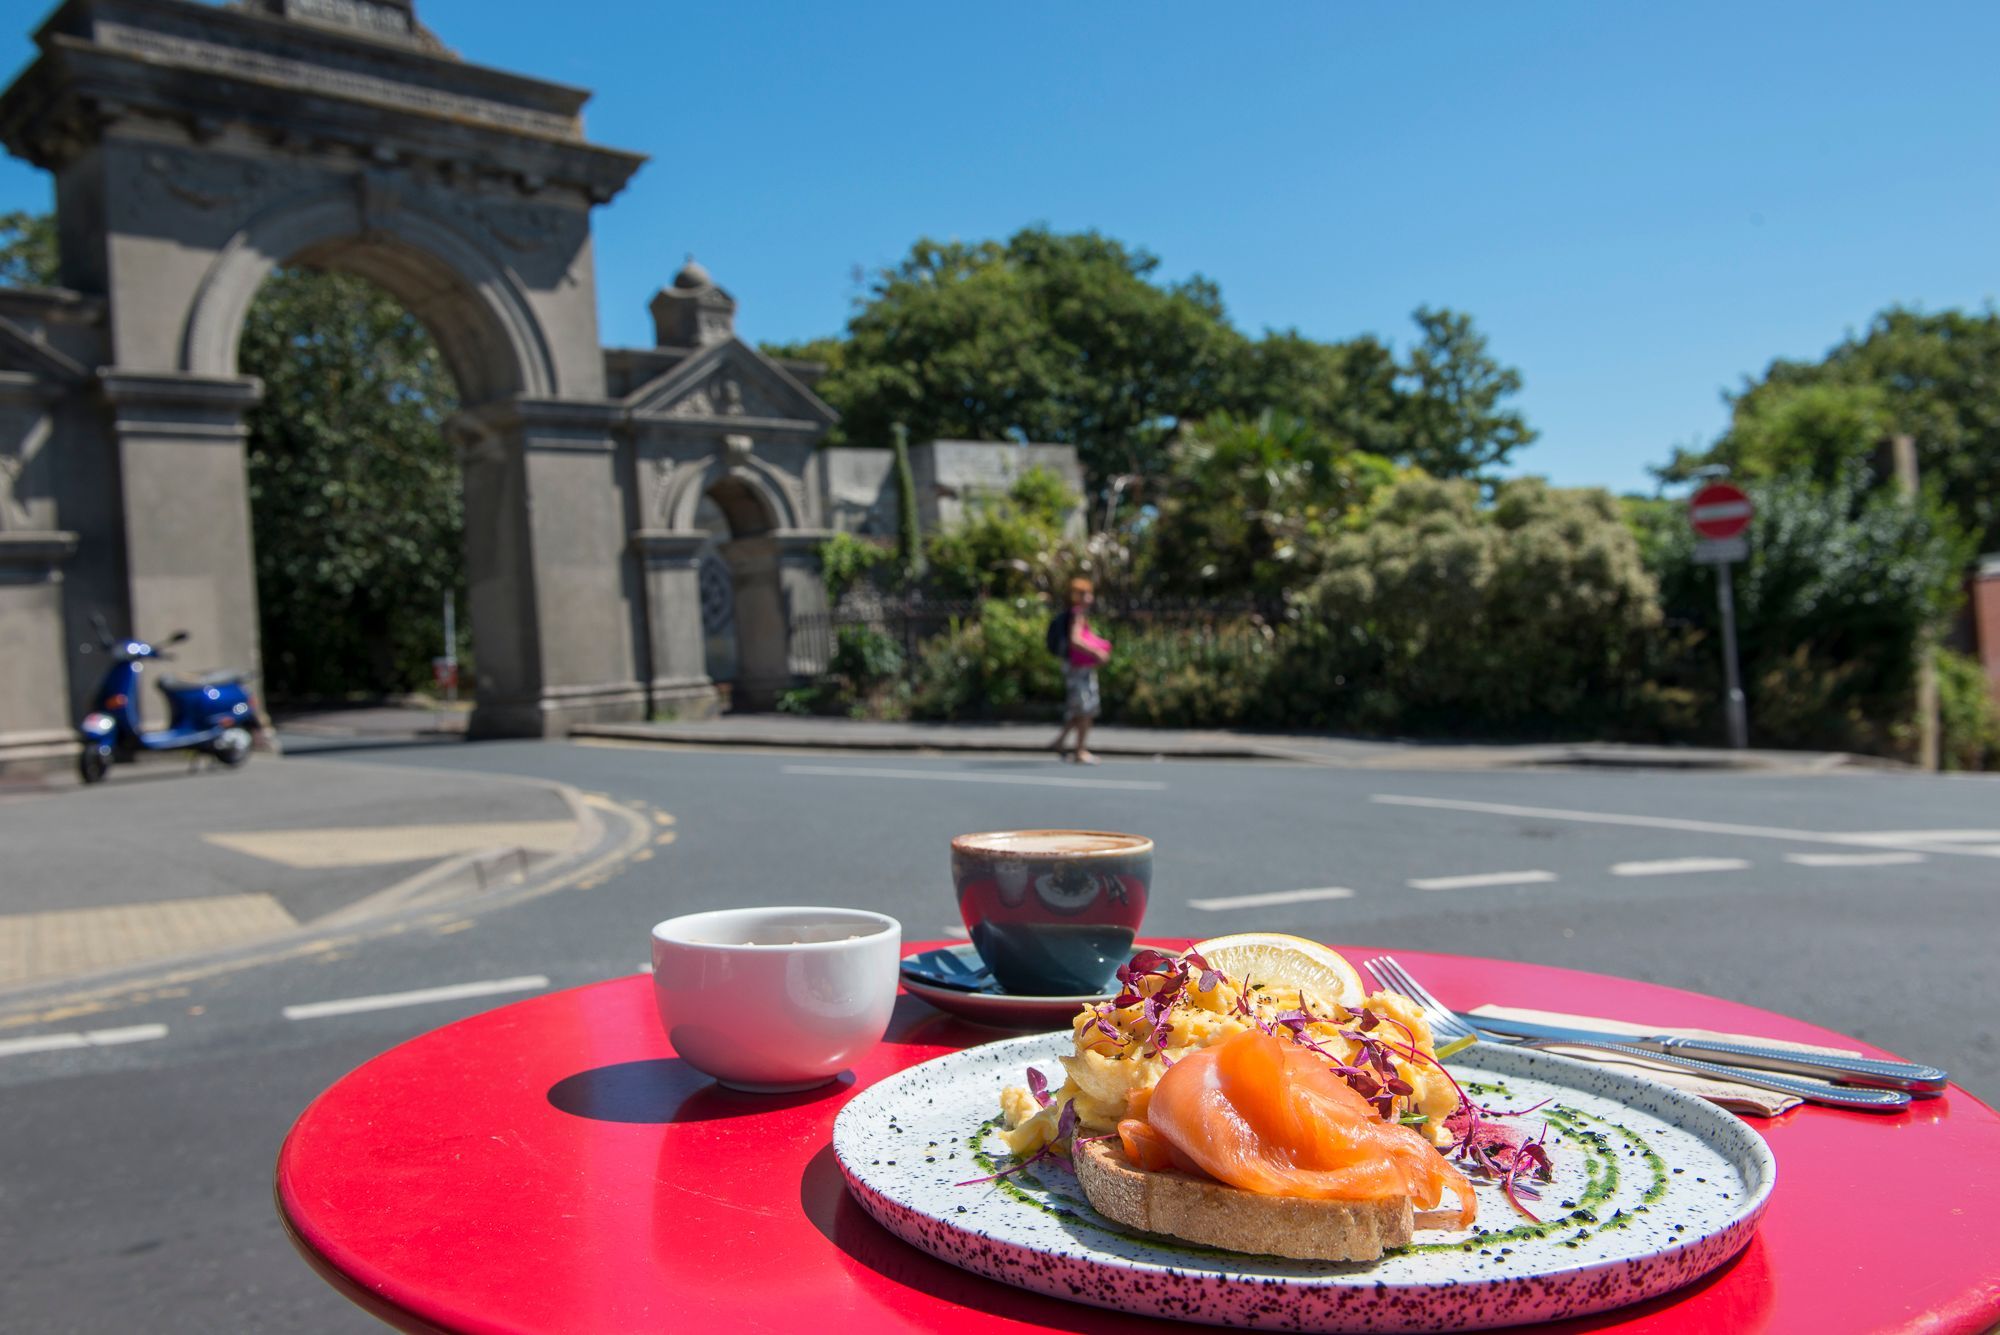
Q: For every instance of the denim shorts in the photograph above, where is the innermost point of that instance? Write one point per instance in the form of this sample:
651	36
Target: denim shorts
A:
1080	691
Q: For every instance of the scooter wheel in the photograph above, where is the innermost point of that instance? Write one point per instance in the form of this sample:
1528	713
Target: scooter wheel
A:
93	764
233	747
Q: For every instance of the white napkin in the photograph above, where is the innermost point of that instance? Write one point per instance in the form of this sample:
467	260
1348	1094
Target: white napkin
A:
1737	1098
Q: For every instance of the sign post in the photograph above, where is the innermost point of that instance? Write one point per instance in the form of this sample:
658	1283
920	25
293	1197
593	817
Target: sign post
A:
1720	515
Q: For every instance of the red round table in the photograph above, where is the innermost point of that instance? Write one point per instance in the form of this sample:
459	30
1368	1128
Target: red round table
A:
552	1166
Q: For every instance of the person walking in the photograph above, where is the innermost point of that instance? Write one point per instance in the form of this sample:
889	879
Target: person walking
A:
1082	651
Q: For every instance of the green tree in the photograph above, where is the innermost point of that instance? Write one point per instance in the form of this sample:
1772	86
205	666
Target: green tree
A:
28	250
1931	377
1248	503
1347	391
1453	421
355	496
1050	337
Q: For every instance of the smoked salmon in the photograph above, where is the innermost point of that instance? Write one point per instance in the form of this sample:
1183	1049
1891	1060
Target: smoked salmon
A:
1268	1116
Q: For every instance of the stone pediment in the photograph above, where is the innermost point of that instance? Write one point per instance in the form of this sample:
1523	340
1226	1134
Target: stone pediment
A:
731	382
22	352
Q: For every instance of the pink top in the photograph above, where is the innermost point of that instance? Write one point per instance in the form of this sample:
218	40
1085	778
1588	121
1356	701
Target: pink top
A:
1086	638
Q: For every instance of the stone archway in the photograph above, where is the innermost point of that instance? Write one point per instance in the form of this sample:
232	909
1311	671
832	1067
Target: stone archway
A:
196	147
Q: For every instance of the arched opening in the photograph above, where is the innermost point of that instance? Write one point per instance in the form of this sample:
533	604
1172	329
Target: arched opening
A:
744	619
356	501
481	339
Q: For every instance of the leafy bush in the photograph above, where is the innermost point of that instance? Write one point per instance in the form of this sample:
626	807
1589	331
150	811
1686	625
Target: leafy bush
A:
1969	724
846	561
863	679
996	551
1248	504
1529	614
1843	592
1188	676
996	667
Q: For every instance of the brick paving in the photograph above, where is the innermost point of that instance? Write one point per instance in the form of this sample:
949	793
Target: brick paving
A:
36	946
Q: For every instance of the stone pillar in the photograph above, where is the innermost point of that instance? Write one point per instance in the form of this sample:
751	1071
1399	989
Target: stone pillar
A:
803	589
551	589
777	582
34	688
1986	619
762	633
671	566
188	562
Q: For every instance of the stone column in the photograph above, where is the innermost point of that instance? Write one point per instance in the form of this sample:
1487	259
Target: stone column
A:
803	589
671	562
188	562
1986	619
552	585
34	689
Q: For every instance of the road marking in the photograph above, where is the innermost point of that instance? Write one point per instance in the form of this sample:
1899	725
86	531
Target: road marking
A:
314	1010
958	933
1917	837
1927	837
1854	859
90	1038
949	776
373	845
1482	878
1677	866
1273	897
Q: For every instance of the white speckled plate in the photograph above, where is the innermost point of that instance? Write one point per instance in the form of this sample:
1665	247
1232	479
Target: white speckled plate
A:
1653	1189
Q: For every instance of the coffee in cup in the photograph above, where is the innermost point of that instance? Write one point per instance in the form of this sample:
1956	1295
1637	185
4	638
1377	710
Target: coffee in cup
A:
1052	912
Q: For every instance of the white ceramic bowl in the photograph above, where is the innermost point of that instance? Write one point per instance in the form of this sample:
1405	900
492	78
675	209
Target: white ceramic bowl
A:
775	999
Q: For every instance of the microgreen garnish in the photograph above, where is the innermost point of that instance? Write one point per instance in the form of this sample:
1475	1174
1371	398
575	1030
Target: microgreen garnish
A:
1038	1085
1058	1147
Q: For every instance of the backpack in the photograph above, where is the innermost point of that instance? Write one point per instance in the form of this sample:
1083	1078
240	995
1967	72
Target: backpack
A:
1058	635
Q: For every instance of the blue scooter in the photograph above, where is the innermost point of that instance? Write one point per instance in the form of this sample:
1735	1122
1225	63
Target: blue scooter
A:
211	713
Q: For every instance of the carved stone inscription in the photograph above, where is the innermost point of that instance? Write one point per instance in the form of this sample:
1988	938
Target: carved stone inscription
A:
319	78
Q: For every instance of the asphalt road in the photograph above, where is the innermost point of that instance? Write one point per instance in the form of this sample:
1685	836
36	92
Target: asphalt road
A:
135	1184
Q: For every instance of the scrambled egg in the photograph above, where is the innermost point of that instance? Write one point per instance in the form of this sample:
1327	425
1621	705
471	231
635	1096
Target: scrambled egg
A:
1106	1071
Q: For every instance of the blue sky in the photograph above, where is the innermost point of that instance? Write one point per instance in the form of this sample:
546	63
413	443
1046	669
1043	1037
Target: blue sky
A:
1639	204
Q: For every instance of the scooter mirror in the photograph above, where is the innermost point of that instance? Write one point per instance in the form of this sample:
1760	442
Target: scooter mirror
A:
177	637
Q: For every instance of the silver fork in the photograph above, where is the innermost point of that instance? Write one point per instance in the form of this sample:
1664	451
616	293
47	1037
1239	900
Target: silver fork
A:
1448	1027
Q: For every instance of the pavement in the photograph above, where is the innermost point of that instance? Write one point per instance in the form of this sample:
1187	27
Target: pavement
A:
786	731
164	862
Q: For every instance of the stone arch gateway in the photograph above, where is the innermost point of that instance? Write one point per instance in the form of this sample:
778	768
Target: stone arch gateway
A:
194	148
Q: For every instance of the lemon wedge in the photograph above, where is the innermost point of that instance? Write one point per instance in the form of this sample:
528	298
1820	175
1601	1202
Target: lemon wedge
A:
1278	960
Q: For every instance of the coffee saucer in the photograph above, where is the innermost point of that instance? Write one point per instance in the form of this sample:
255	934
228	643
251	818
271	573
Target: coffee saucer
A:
959	985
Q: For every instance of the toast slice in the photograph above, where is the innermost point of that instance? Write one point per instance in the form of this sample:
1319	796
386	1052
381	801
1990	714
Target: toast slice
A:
1198	1209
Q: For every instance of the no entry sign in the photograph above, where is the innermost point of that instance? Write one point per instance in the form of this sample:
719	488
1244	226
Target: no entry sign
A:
1719	510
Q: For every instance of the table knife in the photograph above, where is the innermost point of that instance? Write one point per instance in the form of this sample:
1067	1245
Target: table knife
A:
1924	1082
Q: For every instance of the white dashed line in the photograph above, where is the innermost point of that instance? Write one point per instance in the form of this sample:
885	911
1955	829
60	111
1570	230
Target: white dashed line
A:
90	1038
1273	897
1481	878
958	933
1677	866
1854	859
314	1010
1926	841
950	776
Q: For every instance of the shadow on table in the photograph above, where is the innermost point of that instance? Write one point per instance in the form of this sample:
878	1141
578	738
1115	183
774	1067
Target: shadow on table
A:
667	1089
823	1196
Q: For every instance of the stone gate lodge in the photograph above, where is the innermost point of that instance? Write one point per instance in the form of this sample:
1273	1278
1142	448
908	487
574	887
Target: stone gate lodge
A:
194	149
